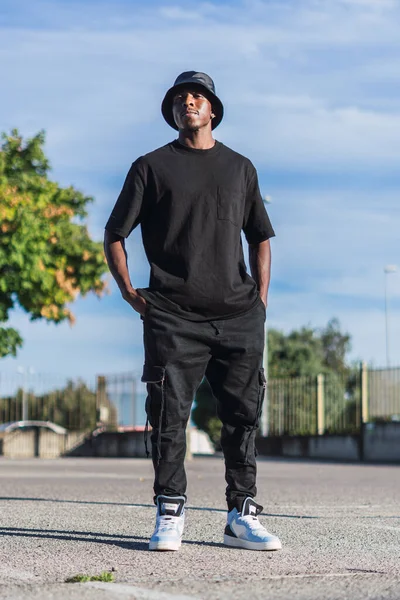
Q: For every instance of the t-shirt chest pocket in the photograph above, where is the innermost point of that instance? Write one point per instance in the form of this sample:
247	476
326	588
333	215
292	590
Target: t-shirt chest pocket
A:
230	205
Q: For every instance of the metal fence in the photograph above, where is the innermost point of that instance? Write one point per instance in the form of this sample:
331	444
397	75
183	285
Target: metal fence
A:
331	403
325	404
292	406
314	405
384	394
38	397
295	406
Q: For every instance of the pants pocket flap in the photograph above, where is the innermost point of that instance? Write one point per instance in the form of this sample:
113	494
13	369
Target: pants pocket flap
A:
153	374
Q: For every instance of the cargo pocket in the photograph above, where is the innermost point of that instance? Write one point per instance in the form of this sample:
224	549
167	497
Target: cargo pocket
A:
153	374
155	378
229	206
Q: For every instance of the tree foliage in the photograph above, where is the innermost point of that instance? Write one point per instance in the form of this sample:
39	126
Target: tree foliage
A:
308	351
47	257
335	347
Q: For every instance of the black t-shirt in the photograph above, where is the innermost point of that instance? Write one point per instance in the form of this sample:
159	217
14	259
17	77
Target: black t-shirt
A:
192	206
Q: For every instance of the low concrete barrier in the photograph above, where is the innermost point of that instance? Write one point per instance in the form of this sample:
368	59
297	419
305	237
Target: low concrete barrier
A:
19	444
336	447
39	442
380	442
343	447
117	444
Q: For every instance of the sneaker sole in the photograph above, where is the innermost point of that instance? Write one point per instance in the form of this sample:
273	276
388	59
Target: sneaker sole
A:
235	542
164	546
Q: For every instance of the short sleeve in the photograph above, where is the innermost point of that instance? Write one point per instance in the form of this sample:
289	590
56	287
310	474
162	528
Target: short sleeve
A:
256	224
128	209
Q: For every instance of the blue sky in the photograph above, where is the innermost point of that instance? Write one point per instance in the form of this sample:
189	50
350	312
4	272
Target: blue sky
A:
311	94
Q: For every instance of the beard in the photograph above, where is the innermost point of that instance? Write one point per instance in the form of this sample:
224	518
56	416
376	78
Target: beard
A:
192	128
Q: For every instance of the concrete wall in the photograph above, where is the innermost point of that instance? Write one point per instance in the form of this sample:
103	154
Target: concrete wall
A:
340	447
38	442
382	442
112	444
51	444
337	447
115	444
19	444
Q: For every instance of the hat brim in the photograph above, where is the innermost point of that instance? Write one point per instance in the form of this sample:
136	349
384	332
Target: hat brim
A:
166	106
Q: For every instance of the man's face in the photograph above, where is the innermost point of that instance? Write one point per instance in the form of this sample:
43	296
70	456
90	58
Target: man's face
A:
191	110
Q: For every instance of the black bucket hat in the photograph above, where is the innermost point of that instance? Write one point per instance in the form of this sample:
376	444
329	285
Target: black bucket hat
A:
198	80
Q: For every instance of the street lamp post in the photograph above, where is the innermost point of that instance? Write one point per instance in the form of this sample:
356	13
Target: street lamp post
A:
388	269
25	407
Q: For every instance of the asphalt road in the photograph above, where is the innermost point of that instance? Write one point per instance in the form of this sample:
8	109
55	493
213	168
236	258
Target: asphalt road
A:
339	525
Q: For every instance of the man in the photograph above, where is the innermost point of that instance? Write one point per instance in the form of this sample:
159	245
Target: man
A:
203	315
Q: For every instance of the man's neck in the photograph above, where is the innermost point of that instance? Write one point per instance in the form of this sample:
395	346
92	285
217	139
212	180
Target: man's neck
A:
200	139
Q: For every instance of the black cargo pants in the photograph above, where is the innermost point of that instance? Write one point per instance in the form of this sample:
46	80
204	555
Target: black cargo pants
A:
178	353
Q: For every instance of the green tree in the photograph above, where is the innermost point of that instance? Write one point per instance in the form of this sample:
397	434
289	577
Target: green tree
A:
47	257
296	354
308	351
335	347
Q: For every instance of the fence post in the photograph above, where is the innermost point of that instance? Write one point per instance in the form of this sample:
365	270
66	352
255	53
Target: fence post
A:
363	407
364	394
102	412
320	405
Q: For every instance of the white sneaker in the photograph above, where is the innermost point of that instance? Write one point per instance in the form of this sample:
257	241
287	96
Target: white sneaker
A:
244	530
169	523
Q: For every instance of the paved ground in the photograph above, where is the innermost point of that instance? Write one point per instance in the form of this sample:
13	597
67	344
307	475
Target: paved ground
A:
340	526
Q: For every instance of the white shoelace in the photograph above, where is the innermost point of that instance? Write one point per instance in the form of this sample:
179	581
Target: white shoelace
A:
252	522
166	523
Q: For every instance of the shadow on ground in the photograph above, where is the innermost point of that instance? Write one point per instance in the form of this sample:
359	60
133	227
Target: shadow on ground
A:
128	542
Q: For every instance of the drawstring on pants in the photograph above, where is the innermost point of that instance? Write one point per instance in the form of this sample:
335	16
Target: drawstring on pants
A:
255	424
160	419
146	433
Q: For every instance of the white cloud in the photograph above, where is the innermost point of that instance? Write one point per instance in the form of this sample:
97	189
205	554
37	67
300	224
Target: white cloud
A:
308	135
380	5
176	13
97	83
